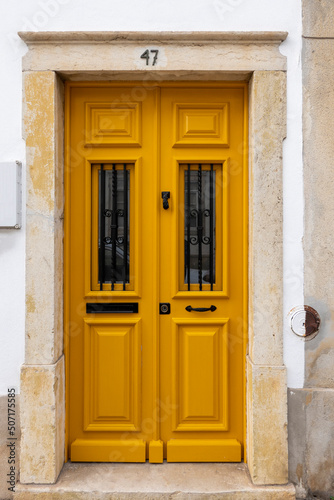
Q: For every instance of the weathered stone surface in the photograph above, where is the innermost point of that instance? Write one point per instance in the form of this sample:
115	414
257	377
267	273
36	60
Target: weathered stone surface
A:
43	293
43	125
273	493
318	18
267	129
267	424
311	437
39	133
165	37
296	440
151	481
43	422
192	51
4	449
318	123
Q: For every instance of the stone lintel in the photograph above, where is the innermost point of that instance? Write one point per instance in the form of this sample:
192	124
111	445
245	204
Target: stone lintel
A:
51	37
42	422
194	51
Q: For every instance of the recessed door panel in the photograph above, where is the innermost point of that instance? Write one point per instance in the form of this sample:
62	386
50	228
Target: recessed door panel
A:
112	375
200	371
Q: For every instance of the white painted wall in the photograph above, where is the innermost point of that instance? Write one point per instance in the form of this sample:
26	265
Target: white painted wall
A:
146	15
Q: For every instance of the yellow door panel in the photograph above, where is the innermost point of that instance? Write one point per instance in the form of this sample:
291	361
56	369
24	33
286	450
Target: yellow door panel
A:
200	371
101	450
112	375
201	340
111	290
156	452
197	124
155	305
113	124
203	450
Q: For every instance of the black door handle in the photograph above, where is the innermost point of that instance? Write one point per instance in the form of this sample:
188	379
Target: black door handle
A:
201	309
165	195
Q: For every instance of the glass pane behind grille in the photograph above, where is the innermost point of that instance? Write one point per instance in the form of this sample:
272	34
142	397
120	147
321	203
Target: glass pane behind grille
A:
114	225
200	226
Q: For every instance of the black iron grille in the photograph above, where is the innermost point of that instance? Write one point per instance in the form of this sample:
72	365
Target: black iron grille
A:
200	220
114	224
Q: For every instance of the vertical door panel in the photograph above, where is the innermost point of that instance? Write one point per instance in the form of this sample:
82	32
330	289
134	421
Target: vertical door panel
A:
112	369
200	371
201	342
112	149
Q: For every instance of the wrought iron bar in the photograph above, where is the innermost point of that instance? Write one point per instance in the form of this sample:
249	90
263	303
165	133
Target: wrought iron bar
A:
188	227
125	207
114	217
199	225
102	228
211	227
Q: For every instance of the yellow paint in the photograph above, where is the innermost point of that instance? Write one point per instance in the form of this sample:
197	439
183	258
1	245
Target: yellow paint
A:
203	450
40	181
156	452
147	385
30	304
103	450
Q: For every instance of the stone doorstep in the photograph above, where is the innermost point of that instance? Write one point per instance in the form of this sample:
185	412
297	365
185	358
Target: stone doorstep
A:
195	481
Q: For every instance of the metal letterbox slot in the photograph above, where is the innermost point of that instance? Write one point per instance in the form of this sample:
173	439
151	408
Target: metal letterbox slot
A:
124	307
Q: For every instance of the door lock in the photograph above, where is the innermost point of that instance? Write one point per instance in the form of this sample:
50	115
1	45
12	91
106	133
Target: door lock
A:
164	308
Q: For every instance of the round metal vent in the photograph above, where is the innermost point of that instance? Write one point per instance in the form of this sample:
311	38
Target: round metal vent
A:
305	322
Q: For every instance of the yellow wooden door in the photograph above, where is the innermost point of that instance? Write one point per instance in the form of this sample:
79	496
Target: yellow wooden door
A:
155	228
202	245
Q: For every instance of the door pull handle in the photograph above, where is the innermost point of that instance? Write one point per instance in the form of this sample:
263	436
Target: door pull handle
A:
201	309
165	195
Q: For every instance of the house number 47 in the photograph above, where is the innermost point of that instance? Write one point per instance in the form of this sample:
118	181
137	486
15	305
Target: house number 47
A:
146	55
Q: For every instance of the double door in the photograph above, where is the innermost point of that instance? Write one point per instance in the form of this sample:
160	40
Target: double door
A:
155	184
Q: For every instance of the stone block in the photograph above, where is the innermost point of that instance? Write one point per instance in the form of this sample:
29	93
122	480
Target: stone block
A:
318	18
42	422
311	438
44	290
43	120
39	128
318	124
267	129
267	424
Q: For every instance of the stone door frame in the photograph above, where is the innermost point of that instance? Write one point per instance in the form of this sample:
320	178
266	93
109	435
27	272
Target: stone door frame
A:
203	56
